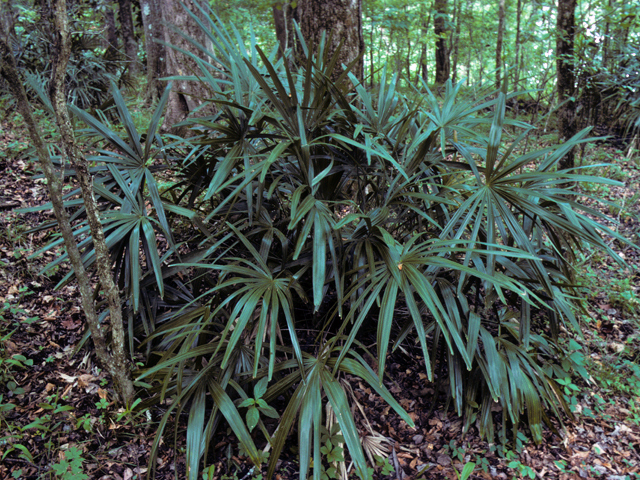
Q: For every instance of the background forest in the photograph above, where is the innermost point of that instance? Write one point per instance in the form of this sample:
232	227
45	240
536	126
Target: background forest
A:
329	238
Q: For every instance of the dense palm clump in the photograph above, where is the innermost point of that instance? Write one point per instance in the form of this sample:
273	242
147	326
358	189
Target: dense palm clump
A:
309	218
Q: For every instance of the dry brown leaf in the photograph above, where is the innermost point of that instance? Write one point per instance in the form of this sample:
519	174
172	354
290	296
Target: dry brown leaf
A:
85	379
67	378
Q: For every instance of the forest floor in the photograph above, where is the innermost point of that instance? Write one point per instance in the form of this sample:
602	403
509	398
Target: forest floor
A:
58	418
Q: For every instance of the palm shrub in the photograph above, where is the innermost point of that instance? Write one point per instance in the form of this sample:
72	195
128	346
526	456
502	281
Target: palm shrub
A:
621	100
309	216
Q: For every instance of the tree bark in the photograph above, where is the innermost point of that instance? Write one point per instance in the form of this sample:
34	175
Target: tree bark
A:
128	37
499	43
186	96
114	364
443	66
565	75
340	18
153	32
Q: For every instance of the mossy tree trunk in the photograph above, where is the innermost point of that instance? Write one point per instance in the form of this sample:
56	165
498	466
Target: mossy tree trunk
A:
114	362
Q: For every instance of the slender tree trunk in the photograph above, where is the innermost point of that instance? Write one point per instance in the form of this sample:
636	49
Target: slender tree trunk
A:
120	365
128	37
408	57
499	42
457	8
111	52
371	49
284	16
470	50
443	66
280	25
115	363
517	57
341	18
153	32
424	71
565	74
421	73
381	45
605	43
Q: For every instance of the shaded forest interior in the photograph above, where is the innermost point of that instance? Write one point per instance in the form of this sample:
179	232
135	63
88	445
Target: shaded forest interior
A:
329	238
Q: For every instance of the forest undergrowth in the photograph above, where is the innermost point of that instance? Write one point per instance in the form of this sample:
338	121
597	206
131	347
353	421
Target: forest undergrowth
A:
58	419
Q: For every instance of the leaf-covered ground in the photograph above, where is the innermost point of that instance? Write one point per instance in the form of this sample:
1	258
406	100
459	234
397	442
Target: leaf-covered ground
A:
57	415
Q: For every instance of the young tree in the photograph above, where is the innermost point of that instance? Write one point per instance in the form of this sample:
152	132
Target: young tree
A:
443	66
565	74
341	18
114	362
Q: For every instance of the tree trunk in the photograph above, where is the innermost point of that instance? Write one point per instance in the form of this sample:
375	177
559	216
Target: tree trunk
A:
8	19
115	363
280	25
283	17
457	8
605	43
470	50
408	57
423	70
111	51
517	63
340	18
186	96
128	37
443	67
499	43
565	75
153	32
371	49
